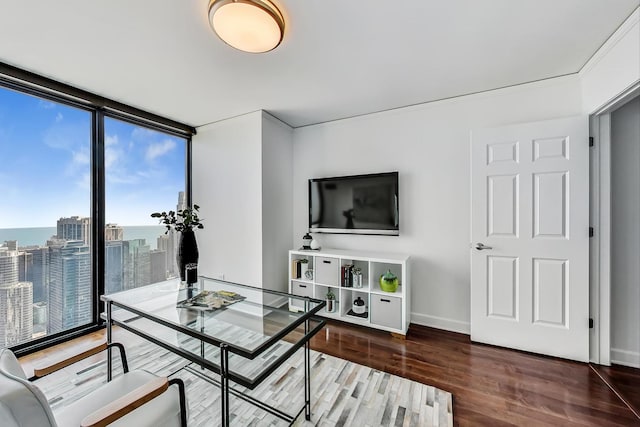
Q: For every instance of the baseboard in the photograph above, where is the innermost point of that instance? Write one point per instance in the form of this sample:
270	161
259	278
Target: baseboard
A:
625	358
451	325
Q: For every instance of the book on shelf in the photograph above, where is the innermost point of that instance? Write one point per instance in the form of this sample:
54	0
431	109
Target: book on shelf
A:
296	269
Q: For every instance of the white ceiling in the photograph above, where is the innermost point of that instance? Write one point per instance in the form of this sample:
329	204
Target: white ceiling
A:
339	58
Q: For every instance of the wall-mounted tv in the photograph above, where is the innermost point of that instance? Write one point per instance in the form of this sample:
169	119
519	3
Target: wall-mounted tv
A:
359	204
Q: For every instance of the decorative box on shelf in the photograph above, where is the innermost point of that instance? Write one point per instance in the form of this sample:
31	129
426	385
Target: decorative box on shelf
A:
348	276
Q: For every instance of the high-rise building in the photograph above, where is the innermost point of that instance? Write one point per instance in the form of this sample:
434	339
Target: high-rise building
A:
114	266
38	272
158	260
182	202
16	301
39	319
16	314
137	263
168	244
75	228
113	232
54	241
8	266
25	263
70	290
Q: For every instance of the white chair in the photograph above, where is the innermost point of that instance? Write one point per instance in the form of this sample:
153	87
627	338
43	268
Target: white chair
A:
136	398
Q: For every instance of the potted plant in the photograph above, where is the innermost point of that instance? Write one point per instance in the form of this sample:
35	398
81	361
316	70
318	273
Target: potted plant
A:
184	221
331	301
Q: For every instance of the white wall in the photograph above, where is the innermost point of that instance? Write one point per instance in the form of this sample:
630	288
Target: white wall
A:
277	199
429	145
614	68
227	167
625	241
242	170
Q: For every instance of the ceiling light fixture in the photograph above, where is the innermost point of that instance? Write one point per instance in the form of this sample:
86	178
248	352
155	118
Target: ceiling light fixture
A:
254	26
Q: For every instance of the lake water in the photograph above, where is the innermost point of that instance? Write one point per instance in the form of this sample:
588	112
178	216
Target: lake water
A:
40	235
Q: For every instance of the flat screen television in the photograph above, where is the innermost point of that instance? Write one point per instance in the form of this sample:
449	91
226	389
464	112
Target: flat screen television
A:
359	204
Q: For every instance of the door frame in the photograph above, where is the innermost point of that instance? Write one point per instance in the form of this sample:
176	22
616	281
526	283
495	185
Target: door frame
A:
600	214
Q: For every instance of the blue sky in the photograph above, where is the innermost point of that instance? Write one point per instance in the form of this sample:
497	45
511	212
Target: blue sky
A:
45	155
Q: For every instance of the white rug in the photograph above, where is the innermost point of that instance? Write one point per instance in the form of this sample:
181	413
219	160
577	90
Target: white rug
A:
342	393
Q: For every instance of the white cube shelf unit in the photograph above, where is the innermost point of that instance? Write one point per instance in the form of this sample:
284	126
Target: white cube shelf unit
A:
322	271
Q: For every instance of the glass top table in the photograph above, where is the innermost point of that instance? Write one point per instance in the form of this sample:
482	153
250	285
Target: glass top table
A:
240	332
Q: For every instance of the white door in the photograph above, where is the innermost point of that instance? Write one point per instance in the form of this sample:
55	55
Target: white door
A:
530	237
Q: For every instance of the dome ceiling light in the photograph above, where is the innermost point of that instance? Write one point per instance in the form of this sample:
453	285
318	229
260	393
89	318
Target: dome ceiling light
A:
254	26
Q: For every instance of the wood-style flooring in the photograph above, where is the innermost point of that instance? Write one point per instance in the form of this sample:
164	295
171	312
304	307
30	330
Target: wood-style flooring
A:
491	386
624	381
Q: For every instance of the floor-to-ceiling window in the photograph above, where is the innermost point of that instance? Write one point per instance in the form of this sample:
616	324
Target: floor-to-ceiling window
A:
145	173
80	176
45	223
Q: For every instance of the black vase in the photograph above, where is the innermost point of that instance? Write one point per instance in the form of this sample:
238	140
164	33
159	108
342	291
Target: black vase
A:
187	252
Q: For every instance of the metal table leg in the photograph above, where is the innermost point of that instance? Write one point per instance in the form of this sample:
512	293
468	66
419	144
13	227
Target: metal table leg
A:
307	370
224	383
109	340
307	381
202	342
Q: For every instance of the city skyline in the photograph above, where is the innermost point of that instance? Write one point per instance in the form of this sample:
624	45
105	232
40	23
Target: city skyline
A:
48	288
46	151
47	276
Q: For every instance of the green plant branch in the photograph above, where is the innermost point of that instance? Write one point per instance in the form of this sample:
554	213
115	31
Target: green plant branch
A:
185	219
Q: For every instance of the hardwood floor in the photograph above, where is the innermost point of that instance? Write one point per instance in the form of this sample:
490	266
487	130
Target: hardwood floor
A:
625	381
491	386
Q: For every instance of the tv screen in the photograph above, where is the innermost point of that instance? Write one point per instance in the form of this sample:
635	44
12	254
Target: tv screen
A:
360	204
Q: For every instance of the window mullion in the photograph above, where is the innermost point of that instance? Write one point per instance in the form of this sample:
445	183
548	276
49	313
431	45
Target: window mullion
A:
98	210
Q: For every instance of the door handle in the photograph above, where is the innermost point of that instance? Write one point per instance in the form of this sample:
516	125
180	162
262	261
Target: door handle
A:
481	246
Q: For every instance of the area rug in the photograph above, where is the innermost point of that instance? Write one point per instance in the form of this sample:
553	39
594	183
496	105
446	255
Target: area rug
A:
342	393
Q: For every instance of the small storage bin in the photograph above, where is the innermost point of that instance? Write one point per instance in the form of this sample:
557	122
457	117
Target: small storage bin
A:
327	271
386	311
302	289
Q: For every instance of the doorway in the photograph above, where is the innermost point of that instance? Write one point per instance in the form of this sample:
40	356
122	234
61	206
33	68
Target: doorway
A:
615	250
625	234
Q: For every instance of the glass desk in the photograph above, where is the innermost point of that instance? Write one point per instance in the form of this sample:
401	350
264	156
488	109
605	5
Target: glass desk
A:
228	340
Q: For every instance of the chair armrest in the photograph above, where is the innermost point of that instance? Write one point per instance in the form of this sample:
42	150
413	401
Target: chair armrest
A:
126	404
41	372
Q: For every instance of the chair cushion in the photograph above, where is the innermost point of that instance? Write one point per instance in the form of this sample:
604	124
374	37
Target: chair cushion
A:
163	411
21	403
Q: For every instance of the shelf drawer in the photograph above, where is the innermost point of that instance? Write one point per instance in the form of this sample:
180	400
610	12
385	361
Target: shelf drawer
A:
302	289
327	270
386	311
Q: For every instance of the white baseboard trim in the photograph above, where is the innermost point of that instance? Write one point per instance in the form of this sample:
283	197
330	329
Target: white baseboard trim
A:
441	323
625	357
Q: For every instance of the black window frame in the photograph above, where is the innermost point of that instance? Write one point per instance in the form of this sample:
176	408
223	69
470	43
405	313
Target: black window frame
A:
29	83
